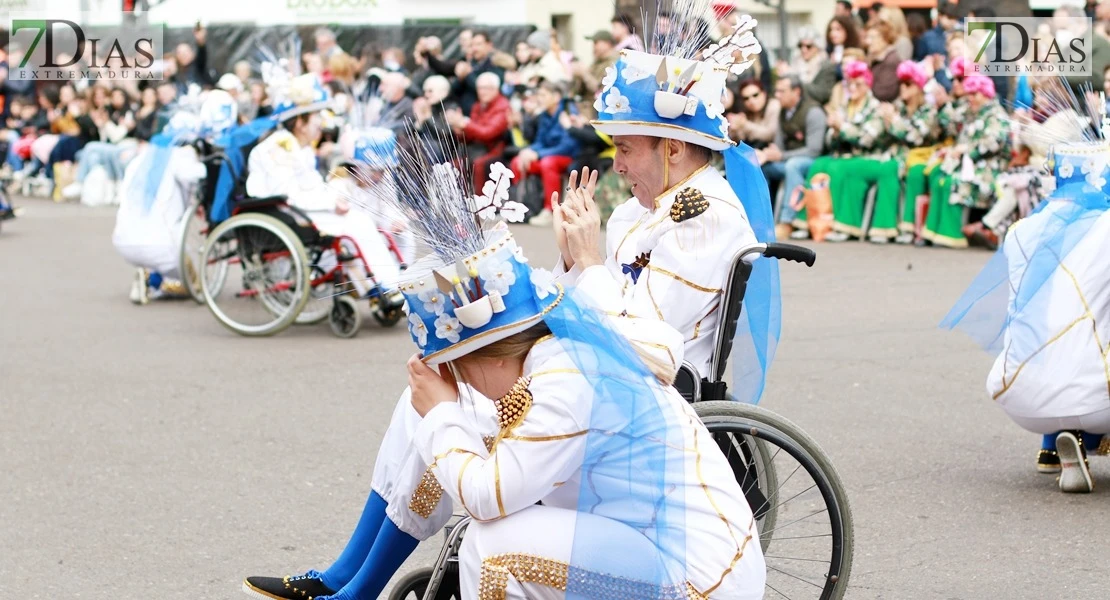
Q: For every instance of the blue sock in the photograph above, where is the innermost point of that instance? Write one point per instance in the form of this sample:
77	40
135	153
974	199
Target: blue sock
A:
154	280
358	547
390	550
1091	441
1049	442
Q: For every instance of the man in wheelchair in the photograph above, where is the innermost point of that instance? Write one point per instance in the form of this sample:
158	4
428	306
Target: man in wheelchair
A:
285	164
670	248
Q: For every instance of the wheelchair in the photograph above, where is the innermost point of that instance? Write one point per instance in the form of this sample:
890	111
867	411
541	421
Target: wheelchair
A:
801	507
267	267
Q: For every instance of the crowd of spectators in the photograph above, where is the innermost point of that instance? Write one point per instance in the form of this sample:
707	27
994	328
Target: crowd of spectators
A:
878	99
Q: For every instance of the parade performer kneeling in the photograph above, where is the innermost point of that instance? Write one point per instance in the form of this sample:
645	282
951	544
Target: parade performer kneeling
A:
1043	305
285	163
680	234
572	397
158	186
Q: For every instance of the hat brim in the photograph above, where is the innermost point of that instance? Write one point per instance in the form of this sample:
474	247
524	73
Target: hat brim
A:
485	338
285	115
663	130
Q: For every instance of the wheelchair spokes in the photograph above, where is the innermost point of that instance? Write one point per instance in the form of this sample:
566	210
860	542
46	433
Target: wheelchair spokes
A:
256	278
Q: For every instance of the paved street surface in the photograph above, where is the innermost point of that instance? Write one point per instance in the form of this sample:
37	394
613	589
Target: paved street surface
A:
149	453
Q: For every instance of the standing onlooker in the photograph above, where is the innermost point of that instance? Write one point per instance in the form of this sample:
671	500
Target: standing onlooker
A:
622	27
753	118
484	131
927	42
798	142
192	64
903	45
552	149
884	60
467	71
326	44
546	64
841	33
587	81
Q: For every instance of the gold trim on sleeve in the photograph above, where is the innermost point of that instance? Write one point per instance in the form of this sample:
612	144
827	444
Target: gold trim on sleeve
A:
676	277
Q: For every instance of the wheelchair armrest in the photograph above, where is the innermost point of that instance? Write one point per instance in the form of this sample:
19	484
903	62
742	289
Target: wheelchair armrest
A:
252	203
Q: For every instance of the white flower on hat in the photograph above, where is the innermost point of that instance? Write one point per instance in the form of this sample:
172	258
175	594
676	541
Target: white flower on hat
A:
632	74
714	109
616	103
513	211
1067	169
610	77
599	103
544	282
497	276
447	328
434	301
418	330
518	254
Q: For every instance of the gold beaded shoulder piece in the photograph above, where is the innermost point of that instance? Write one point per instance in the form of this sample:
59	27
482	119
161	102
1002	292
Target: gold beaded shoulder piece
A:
689	203
512	407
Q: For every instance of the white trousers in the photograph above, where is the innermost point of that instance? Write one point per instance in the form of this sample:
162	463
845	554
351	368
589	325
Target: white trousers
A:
1096	422
399	468
525	555
360	227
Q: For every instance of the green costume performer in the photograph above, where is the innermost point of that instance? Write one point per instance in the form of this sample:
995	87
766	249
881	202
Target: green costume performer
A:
966	178
914	130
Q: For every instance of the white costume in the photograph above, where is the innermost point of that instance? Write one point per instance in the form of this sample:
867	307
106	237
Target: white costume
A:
374	199
539	459
150	238
688	269
1066	383
682	284
279	165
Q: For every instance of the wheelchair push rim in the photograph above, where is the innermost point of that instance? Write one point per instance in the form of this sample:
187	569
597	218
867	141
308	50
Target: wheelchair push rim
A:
255	278
808	546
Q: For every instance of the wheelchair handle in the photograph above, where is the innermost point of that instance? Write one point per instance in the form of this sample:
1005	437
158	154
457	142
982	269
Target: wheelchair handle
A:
791	252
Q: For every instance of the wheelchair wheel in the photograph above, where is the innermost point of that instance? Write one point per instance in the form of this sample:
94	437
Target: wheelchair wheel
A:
344	319
193	232
809	541
321	297
390	317
413	585
256	276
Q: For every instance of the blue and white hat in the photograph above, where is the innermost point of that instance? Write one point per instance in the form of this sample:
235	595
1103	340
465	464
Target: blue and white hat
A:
675	94
297	96
1087	163
218	113
475	287
375	147
487	296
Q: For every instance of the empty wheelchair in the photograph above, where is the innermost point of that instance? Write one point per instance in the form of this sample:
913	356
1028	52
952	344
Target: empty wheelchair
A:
801	507
267	267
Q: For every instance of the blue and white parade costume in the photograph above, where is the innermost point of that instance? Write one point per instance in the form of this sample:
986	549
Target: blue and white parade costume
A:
158	186
1043	305
414	483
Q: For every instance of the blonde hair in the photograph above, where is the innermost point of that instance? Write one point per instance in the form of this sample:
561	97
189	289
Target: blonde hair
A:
518	345
896	18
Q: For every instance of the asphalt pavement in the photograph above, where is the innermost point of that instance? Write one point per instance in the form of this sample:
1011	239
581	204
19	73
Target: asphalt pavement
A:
149	453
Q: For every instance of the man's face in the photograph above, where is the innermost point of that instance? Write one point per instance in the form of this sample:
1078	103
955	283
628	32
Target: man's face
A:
324	44
639	160
166	94
808	49
843	10
479	47
602	49
787	96
487	91
184	54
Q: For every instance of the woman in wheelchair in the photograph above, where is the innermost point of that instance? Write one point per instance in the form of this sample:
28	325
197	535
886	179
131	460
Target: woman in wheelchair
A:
285	164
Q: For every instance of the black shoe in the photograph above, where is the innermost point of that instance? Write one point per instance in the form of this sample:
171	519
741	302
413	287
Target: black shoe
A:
1048	462
300	587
